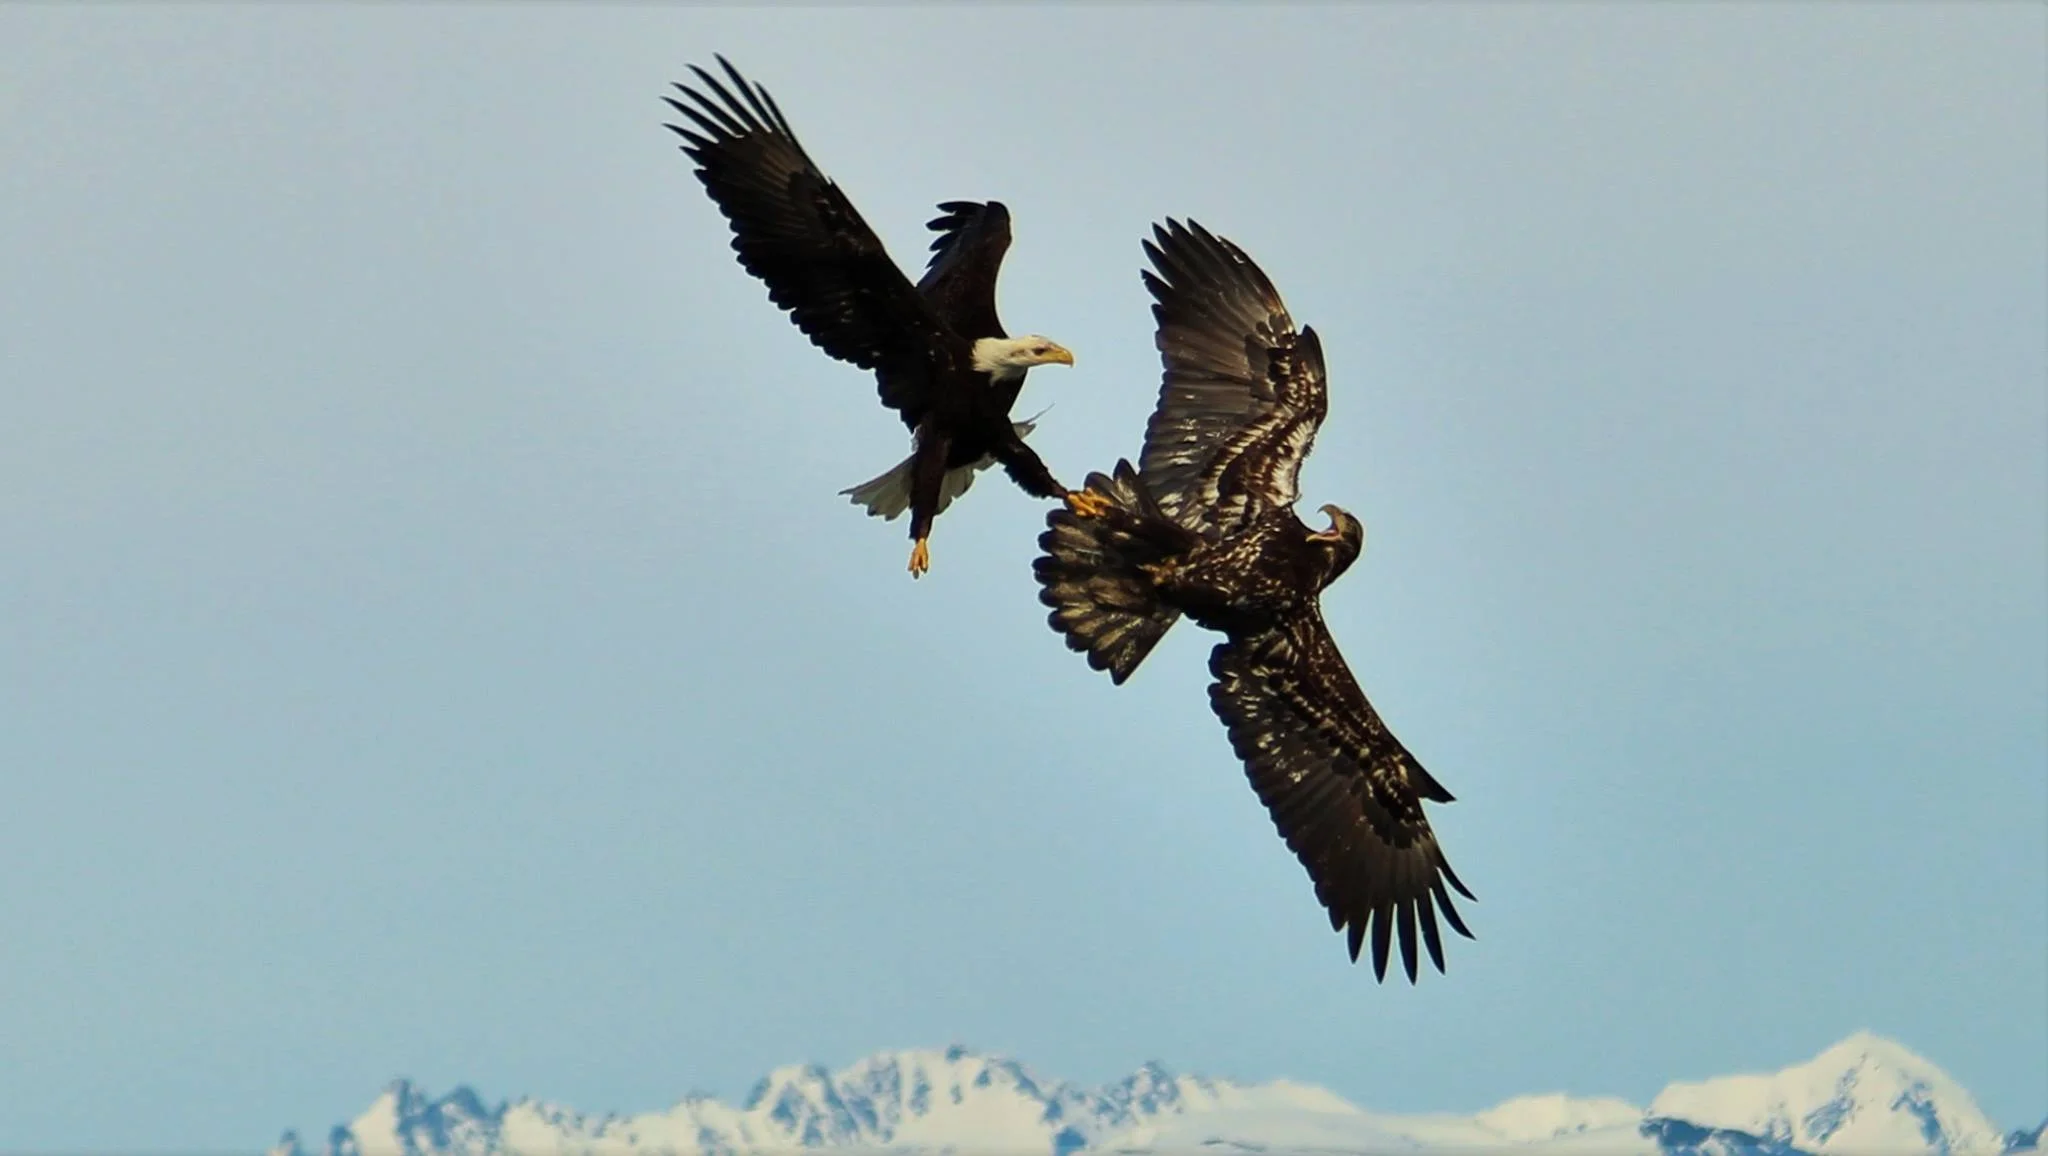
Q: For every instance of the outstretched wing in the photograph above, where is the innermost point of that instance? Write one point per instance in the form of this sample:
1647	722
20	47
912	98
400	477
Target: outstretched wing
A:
1343	791
960	282
1242	393
798	233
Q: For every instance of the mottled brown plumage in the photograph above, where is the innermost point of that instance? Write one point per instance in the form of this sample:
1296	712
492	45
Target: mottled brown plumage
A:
1206	528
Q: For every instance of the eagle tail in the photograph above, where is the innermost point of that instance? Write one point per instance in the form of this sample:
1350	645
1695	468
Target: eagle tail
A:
887	495
1103	602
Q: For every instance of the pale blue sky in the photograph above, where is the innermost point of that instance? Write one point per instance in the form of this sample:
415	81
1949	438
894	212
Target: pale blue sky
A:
433	644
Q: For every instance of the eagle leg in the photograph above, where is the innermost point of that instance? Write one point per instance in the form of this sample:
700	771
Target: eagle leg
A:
1087	503
927	484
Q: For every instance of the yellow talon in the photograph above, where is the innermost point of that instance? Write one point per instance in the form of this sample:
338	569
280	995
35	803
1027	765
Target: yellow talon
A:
920	559
1087	503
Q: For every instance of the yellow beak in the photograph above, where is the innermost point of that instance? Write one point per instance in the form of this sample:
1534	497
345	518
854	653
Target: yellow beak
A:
1331	534
1060	354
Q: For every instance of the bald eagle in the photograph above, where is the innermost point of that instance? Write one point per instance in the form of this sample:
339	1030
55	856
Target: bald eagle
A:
940	356
1205	527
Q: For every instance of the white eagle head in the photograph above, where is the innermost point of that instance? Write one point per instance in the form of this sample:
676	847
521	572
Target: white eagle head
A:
1008	357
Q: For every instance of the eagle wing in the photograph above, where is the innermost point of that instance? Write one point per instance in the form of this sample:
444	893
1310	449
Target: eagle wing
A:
960	281
1242	394
1344	793
796	231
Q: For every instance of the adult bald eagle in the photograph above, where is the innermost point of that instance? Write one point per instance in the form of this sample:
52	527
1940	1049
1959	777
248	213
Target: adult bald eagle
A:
1205	526
938	352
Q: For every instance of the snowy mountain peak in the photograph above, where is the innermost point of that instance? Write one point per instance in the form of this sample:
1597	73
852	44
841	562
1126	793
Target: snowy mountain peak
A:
403	1111
1526	1119
1867	1047
1864	1094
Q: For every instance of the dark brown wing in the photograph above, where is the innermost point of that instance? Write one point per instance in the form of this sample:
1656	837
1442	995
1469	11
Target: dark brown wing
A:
1242	392
799	234
1344	793
960	282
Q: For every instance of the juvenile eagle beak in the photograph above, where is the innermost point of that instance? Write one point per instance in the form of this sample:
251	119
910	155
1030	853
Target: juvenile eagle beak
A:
1332	534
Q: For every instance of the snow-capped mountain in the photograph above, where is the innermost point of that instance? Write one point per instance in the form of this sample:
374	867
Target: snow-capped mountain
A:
1865	1096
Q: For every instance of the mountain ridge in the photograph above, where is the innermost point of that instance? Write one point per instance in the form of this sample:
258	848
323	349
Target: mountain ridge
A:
1863	1096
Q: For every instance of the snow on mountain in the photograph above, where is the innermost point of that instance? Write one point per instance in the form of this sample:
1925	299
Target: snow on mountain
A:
1318	1121
1865	1096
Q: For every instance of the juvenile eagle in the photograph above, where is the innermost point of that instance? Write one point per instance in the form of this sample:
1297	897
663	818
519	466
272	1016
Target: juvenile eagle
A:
939	355
1205	526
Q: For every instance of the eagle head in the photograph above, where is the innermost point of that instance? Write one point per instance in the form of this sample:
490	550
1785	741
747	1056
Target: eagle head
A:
1008	357
1341	544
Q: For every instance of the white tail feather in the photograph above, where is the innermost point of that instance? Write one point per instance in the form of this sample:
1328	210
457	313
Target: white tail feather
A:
888	495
